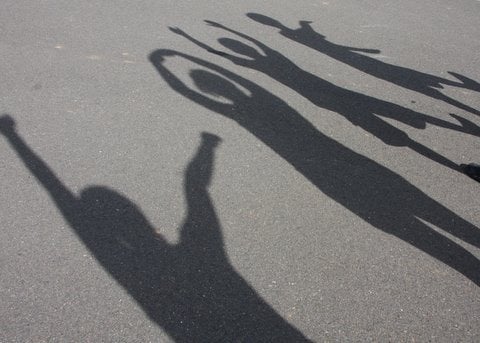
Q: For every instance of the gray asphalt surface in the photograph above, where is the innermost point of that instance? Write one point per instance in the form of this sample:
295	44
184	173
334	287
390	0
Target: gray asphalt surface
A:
335	225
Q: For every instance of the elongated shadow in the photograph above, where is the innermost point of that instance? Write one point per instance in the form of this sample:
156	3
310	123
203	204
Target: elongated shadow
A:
414	80
369	190
360	109
190	289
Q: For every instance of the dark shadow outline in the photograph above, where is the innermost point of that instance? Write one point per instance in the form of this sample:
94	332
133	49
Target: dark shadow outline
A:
407	78
379	196
361	110
189	289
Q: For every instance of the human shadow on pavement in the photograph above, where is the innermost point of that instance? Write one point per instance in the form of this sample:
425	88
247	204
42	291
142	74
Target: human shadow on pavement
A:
359	109
190	289
414	80
374	193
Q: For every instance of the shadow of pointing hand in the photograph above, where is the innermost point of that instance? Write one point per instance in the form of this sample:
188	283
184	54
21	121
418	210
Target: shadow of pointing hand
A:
190	289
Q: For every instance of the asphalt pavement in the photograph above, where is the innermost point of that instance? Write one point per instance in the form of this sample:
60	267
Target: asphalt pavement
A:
239	171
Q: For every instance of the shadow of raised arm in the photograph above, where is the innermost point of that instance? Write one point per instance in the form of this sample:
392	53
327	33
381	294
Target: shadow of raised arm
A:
360	109
158	57
65	200
190	289
374	193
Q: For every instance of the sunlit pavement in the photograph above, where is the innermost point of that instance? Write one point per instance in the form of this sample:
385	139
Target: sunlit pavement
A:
239	171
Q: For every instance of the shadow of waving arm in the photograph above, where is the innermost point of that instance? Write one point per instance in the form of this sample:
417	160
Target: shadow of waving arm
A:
366	188
158	58
63	197
201	229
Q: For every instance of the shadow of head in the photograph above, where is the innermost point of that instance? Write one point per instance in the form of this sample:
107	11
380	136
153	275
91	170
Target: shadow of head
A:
216	85
239	47
112	220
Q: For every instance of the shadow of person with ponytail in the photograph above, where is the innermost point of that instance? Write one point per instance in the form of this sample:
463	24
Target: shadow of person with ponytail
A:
190	289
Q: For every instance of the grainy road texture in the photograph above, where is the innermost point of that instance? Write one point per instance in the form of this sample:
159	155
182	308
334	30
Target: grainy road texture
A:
239	171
